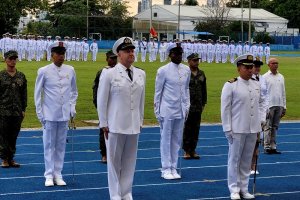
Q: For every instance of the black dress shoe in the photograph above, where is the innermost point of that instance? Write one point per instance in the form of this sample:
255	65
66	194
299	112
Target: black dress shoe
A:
274	151
268	151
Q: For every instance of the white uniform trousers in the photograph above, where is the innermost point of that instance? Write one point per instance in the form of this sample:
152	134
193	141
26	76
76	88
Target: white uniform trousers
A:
239	161
54	139
143	55
136	54
84	55
121	160
171	136
94	55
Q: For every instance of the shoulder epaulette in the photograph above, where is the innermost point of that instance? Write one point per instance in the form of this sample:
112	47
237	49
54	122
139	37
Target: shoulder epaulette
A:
107	67
254	79
232	80
139	68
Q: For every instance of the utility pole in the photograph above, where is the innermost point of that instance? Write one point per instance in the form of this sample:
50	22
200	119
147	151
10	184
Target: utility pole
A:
87	19
150	16
249	34
242	22
178	27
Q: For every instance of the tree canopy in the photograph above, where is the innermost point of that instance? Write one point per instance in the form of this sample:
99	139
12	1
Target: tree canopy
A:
191	3
11	11
110	18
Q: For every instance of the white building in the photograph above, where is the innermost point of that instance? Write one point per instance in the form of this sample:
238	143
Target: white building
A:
165	19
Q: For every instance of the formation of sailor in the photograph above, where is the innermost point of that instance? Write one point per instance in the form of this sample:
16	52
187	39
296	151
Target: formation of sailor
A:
31	47
210	51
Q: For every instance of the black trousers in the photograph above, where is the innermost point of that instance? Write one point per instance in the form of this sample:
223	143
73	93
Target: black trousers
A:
9	130
102	145
191	132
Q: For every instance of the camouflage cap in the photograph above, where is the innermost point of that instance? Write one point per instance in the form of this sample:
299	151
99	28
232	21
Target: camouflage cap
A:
110	54
193	56
11	54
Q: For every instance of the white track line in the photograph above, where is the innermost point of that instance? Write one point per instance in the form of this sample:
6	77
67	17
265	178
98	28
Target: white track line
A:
150	170
154	184
256	195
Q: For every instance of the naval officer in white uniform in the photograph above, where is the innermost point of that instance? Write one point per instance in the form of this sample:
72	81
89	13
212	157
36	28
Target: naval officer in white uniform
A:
55	98
120	105
240	104
171	106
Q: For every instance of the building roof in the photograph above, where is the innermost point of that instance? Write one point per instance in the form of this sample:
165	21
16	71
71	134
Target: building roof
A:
170	13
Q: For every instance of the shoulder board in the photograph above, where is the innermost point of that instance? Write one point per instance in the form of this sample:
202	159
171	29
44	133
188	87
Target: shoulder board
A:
254	79
106	67
139	68
232	80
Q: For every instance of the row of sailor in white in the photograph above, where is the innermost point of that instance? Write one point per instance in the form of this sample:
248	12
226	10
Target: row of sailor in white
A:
241	121
171	105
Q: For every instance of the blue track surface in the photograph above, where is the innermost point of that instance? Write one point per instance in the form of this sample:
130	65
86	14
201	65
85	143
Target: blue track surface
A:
201	179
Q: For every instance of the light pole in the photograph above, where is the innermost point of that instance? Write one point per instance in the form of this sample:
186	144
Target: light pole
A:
151	16
249	34
87	19
178	27
242	22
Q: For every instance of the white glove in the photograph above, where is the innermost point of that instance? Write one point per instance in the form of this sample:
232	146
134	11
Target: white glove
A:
229	136
43	122
73	111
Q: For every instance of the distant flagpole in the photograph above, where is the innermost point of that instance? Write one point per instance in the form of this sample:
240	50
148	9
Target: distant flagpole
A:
178	29
249	33
151	15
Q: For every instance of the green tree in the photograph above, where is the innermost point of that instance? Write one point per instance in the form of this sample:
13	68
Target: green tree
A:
263	37
110	18
39	28
11	11
191	3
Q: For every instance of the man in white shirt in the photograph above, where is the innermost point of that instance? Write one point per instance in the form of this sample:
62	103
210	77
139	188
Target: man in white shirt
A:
171	106
276	104
163	51
240	105
85	49
120	105
94	50
267	52
143	49
55	98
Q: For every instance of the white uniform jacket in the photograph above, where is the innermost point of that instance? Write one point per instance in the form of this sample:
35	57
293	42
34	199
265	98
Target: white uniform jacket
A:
276	95
240	104
120	101
172	95
55	93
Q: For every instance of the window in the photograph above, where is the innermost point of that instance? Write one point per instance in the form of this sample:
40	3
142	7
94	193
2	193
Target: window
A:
155	14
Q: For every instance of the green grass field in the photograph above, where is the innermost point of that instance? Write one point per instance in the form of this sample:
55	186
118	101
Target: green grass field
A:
217	75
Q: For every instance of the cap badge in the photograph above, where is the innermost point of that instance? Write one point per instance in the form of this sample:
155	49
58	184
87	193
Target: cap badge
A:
249	57
127	41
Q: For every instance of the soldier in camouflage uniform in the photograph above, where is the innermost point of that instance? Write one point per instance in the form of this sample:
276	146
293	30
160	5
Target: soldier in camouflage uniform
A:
198	99
111	60
13	102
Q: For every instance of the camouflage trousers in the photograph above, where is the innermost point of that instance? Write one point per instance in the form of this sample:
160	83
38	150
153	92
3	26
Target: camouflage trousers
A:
9	130
191	132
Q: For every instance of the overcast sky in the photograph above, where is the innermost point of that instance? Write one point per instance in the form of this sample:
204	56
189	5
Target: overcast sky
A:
134	4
